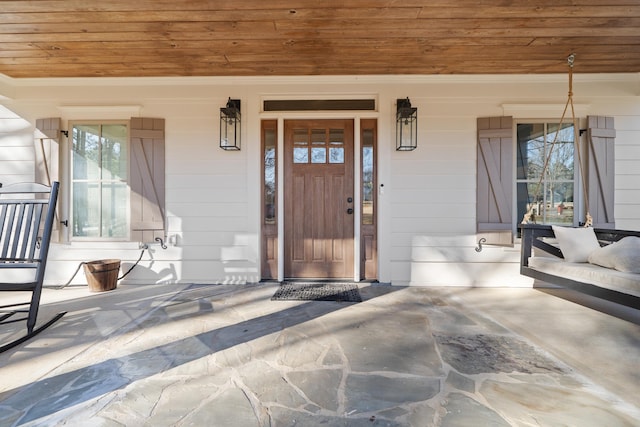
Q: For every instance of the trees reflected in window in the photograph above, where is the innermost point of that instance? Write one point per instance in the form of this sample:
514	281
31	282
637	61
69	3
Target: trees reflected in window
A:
269	168
368	190
99	191
546	172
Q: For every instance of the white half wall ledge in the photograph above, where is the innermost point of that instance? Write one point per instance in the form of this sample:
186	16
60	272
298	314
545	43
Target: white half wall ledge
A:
544	111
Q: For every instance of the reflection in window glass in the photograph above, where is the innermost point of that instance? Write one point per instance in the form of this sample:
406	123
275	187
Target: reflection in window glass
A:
318	155
86	152
99	188
318	137
86	209
531	152
336	136
300	137
367	177
336	155
318	146
300	155
114	211
550	196
269	176
336	146
561	162
300	146
114	153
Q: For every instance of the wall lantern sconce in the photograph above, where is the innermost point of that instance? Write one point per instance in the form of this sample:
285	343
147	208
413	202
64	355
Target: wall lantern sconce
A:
406	126
230	125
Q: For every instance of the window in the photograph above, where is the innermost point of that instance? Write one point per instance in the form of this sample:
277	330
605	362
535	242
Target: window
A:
368	192
269	244
100	192
320	142
555	204
545	169
269	174
368	184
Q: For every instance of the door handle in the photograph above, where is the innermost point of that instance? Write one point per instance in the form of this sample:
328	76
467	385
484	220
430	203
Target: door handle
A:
350	211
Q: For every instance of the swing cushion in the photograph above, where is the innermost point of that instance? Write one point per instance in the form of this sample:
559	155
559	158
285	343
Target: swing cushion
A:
623	255
576	244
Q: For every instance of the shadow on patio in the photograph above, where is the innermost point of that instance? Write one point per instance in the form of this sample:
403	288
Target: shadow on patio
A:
226	355
123	316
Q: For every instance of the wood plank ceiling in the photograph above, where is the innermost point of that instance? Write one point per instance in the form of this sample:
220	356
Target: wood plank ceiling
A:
129	38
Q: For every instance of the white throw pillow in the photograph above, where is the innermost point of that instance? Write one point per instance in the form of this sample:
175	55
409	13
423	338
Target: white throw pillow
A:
623	255
576	244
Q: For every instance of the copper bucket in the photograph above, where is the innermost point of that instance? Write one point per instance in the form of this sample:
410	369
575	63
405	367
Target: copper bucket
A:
102	275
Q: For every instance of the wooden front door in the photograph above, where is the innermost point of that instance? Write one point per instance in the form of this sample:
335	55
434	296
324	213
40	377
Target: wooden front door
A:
318	199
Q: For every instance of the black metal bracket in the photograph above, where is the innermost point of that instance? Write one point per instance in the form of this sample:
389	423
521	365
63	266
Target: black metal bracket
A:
162	245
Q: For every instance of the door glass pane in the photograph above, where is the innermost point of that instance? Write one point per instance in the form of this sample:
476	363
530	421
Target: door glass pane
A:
336	154
318	155
300	146
318	146
300	137
367	176
336	136
300	155
336	146
269	176
318	137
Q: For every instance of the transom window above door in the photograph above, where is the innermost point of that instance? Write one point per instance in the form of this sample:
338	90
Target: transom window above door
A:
318	146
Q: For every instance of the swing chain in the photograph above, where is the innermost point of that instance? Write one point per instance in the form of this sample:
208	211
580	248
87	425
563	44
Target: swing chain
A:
529	215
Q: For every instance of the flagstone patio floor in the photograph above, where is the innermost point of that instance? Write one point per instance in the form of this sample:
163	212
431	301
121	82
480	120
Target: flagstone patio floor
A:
227	355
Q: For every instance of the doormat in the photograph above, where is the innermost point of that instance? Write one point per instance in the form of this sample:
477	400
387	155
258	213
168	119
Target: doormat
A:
306	291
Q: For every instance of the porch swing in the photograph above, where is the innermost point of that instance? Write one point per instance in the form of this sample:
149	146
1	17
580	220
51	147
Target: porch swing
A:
601	262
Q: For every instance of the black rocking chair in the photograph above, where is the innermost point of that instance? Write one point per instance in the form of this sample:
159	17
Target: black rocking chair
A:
26	223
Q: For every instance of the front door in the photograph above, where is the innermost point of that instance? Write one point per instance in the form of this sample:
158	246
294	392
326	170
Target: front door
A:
318	199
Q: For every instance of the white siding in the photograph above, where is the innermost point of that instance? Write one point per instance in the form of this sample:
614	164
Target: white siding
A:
627	196
16	148
427	218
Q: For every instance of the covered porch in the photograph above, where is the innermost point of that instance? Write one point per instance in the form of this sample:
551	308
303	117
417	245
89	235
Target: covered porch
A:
227	355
